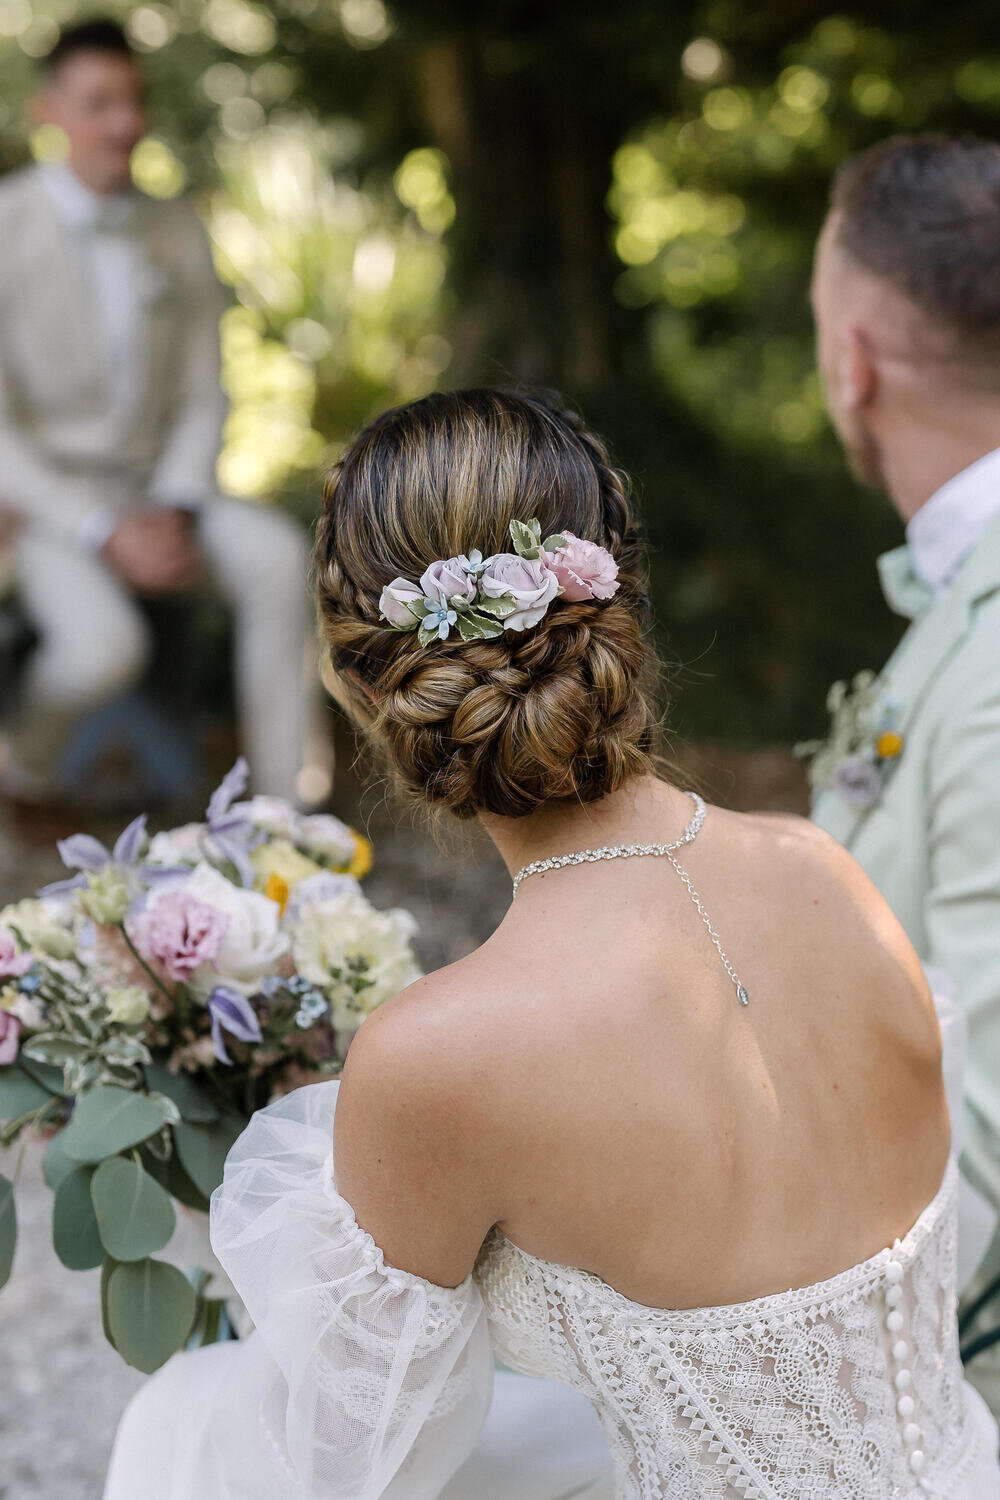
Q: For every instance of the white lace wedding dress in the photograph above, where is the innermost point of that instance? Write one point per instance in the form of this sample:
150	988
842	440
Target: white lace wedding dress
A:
362	1381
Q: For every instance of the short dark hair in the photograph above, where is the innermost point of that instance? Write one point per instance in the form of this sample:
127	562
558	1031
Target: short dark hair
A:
923	211
100	34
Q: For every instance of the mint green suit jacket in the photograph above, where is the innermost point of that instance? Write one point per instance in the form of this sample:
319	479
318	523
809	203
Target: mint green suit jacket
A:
931	841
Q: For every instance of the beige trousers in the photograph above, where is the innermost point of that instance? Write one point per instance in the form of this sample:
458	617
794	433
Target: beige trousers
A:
94	638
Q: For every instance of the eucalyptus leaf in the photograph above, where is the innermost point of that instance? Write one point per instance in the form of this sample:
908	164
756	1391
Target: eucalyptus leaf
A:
172	1176
151	1307
172	1114
49	1077
8	1229
19	1093
203	1150
108	1120
108	1265
55	1163
74	1223
192	1101
134	1214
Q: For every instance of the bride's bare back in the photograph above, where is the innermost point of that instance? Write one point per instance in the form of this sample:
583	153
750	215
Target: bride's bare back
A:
588	1081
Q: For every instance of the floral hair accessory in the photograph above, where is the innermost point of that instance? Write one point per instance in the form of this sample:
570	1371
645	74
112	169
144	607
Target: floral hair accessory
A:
483	597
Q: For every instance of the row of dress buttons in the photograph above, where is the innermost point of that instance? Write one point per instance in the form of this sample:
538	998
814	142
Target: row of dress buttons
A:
901	1353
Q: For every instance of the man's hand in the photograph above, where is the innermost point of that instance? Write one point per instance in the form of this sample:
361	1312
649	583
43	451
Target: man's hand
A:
154	551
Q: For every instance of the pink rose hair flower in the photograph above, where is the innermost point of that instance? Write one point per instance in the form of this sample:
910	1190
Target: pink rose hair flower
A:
179	932
12	963
585	570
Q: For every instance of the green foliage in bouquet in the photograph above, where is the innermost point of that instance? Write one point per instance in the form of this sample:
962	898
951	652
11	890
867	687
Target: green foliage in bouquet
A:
150	1004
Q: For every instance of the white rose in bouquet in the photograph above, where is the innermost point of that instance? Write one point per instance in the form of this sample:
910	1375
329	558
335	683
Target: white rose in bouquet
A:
326	886
274	815
45	926
327	838
241	948
177	846
356	955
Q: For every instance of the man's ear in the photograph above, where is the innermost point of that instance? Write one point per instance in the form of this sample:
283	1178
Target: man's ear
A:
857	371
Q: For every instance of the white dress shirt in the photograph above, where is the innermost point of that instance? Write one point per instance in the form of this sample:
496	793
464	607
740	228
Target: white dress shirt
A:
107	231
954	521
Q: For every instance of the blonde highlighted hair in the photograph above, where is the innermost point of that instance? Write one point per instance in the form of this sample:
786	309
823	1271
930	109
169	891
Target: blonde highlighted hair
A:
564	710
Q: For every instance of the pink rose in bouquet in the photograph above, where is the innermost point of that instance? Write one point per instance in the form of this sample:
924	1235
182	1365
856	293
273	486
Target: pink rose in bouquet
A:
12	963
179	932
10	1030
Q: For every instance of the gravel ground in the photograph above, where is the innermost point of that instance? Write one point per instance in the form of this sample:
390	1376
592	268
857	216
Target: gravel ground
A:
63	1387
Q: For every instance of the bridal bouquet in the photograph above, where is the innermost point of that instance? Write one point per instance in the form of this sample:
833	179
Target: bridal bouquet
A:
151	1002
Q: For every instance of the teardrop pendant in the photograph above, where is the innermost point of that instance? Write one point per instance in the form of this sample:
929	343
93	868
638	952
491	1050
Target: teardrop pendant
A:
742	995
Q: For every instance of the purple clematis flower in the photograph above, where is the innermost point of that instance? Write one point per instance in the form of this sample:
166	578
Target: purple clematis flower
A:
230	1011
231	829
86	854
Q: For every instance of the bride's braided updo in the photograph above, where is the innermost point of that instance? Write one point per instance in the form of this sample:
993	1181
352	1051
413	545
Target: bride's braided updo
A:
561	710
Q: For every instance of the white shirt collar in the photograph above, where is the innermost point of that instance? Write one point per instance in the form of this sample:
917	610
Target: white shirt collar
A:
75	203
954	520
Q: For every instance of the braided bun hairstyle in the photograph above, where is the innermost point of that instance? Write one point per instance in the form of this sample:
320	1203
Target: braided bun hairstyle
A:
561	710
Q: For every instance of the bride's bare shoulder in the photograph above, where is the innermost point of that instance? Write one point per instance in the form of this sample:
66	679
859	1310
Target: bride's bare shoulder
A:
803	870
414	1155
789	844
431	1050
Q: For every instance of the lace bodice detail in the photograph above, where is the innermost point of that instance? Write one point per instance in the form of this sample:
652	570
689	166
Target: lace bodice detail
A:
847	1390
364	1382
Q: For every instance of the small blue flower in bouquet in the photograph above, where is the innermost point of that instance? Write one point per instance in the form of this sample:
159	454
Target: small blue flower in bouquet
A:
151	1002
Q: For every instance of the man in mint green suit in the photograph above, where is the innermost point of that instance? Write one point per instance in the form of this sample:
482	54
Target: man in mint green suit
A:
906	292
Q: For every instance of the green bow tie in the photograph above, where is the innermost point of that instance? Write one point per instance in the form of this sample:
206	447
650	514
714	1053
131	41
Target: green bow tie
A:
905	593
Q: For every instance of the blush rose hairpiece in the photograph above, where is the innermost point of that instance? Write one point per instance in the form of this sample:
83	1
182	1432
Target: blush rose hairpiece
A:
482	597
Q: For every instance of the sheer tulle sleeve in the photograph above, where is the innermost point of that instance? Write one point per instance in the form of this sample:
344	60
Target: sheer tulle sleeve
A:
360	1381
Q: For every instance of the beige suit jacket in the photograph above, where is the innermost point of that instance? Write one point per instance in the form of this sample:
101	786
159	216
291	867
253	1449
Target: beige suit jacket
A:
65	451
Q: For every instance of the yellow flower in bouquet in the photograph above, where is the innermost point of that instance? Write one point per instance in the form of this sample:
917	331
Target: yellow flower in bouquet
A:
361	860
279	863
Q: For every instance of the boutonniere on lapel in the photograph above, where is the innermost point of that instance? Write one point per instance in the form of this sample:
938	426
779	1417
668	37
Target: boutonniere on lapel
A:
864	742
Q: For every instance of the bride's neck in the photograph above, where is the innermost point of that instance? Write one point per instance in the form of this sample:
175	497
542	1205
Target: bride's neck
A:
643	810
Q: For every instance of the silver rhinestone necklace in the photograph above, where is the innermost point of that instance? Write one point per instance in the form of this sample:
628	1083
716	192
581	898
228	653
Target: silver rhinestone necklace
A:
630	851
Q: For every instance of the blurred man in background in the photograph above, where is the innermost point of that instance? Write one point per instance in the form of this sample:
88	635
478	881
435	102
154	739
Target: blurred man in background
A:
906	292
111	415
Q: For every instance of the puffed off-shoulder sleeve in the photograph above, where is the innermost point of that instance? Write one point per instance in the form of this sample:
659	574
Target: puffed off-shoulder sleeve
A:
368	1381
359	1381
